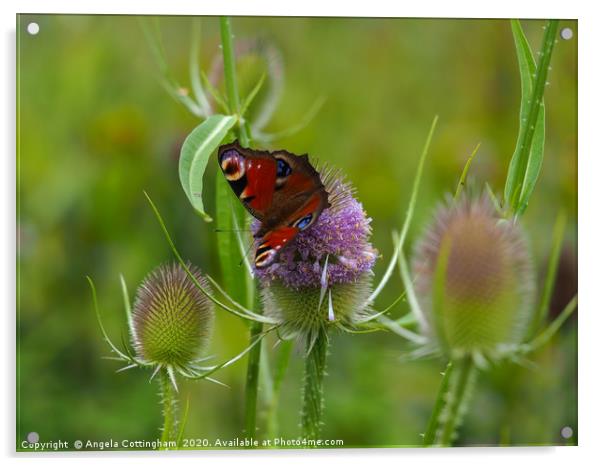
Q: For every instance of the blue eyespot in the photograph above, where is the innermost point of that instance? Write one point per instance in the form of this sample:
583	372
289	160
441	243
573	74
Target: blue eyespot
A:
283	169
304	222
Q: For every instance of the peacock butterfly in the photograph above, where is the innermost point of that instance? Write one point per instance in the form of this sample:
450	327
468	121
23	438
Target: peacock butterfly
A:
281	190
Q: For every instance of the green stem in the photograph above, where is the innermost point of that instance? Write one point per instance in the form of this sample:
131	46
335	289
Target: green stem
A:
252	384
313	395
230	77
282	361
256	328
170	408
431	430
461	381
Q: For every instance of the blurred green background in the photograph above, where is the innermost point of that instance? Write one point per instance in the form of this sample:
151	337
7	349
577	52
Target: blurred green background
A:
95	129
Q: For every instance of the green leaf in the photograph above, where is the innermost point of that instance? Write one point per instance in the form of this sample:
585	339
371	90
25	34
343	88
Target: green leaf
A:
527	69
464	175
219	98
249	99
194	155
527	159
551	329
100	324
126	304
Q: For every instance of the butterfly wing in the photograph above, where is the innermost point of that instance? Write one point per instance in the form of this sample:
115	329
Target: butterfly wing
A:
275	239
272	243
297	188
282	190
251	175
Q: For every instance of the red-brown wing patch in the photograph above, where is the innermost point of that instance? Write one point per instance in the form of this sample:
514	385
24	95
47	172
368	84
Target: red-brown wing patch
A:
272	243
298	182
261	178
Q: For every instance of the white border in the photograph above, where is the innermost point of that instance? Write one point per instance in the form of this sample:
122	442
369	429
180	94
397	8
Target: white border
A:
381	8
590	195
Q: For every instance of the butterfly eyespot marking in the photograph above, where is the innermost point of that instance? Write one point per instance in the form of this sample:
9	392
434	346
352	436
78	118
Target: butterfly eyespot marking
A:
233	165
283	169
264	256
304	222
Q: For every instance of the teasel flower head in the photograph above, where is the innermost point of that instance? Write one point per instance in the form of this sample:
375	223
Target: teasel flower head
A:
474	280
172	319
324	277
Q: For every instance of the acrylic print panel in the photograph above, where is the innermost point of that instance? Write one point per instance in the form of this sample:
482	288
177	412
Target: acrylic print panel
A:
188	279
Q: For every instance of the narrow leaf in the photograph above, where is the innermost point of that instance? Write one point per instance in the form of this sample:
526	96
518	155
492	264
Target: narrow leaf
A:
550	280
527	159
526	66
194	155
194	69
219	98
100	324
249	99
127	305
464	175
551	329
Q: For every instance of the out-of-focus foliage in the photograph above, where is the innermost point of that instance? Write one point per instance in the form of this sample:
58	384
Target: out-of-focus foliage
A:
96	129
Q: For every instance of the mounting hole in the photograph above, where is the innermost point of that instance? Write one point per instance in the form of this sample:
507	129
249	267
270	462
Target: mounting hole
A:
33	437
566	432
566	33
33	28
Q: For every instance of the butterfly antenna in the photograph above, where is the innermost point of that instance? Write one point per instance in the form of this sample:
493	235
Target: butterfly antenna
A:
246	254
230	230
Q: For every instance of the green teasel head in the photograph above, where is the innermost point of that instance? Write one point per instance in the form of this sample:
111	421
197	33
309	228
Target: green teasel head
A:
172	320
304	312
474	279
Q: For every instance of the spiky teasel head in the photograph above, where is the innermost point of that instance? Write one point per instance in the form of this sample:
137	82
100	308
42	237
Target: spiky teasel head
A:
172	319
324	276
474	279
